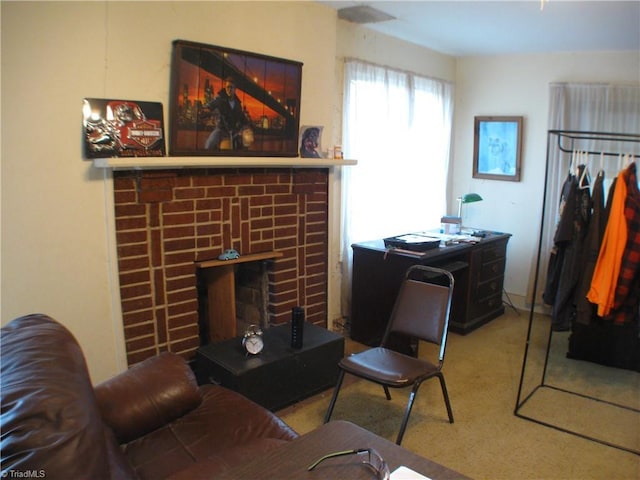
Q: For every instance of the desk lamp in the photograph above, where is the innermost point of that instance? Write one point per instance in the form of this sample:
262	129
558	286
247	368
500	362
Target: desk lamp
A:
467	198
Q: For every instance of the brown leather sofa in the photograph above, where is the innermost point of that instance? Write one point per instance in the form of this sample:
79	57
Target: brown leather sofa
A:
150	422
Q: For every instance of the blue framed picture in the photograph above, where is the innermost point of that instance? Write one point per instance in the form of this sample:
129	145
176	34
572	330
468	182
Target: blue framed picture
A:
497	148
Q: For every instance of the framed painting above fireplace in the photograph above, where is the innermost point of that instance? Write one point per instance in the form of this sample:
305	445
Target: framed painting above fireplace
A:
227	102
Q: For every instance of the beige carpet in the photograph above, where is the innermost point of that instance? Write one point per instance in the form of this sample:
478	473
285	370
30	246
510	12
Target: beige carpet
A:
487	441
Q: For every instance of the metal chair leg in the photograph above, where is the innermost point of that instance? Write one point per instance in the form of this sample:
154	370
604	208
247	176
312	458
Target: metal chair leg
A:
386	392
446	396
407	412
335	396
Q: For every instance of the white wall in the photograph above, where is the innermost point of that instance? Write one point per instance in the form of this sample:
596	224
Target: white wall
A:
55	258
57	241
519	85
359	42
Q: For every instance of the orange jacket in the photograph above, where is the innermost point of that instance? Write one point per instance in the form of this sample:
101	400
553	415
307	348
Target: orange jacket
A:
605	274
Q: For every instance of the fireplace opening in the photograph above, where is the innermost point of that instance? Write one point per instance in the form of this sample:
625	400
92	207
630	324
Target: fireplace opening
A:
233	294
250	296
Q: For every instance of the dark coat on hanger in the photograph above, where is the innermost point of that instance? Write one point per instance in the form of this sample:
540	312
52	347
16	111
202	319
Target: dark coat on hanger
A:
585	310
564	270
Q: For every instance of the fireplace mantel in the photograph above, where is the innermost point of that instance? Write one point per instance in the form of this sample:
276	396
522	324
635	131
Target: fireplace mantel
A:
139	163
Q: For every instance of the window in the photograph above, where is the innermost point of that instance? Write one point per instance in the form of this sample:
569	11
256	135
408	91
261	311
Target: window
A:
398	126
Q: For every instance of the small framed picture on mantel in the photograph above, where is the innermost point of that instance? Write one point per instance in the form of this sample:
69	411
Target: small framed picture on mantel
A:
497	148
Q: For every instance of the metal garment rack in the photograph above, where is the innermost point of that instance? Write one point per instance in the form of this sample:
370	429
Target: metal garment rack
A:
566	141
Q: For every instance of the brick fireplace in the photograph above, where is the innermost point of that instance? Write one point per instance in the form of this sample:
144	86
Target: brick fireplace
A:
167	220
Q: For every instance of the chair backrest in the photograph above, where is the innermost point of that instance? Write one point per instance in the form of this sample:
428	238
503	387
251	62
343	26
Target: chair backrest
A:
423	305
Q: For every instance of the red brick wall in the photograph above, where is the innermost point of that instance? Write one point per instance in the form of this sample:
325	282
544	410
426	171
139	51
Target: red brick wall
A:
167	220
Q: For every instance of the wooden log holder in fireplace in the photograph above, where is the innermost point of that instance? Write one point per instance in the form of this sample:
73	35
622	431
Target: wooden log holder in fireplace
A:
219	277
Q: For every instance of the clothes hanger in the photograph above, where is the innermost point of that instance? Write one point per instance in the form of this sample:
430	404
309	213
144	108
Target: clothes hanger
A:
630	158
601	171
576	163
572	165
585	172
602	162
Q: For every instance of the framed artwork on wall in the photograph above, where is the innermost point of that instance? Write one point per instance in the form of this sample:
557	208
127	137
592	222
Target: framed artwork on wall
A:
497	148
122	128
228	102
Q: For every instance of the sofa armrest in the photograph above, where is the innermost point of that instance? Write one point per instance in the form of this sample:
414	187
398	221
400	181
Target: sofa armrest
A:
149	395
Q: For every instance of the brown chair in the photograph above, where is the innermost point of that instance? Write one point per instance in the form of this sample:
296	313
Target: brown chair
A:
421	311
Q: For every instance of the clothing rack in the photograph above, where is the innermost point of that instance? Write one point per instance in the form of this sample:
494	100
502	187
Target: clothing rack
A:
573	137
566	141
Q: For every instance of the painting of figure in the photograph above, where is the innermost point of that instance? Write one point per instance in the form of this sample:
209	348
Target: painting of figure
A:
233	103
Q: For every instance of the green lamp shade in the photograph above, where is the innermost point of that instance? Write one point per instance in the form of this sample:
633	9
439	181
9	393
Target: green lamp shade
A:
470	198
467	198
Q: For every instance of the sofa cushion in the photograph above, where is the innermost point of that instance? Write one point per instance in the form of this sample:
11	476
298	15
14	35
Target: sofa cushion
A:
225	429
50	421
149	395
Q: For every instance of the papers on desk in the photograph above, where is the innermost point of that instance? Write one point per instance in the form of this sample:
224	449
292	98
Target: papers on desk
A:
450	239
410	244
404	473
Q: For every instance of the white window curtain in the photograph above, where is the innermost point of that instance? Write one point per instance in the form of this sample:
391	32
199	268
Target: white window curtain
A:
398	126
590	108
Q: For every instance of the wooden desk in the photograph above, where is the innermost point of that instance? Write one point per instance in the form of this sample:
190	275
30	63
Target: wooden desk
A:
478	271
292	460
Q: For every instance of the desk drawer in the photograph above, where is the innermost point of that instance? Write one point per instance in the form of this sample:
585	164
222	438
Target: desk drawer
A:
490	288
487	305
494	251
492	269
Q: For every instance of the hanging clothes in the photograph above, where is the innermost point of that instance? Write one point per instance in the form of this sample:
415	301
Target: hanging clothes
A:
585	310
615	339
605	275
561	238
575	212
627	293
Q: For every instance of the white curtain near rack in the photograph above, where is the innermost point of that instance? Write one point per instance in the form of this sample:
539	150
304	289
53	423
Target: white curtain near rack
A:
586	108
398	126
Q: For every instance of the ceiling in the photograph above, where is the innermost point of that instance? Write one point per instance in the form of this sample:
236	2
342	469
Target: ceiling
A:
462	28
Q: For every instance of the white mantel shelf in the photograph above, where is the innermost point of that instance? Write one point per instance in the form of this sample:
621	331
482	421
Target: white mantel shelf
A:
147	163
